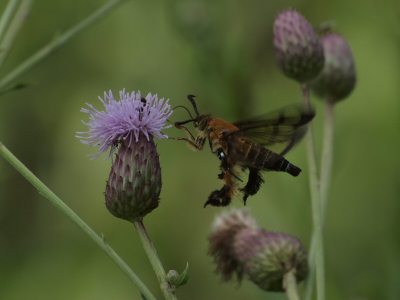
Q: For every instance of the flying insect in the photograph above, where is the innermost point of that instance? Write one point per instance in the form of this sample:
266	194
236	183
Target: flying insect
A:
242	146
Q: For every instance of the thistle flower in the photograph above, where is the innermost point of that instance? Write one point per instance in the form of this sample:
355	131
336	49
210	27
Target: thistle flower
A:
298	49
223	233
124	120
134	183
338	77
240	247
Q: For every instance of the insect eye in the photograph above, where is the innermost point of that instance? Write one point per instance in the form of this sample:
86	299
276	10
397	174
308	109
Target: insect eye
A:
202	125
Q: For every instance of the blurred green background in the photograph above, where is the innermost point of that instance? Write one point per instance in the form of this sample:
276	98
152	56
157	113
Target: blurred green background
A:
220	51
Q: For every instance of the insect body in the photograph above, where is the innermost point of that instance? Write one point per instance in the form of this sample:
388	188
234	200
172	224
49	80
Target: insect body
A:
242	145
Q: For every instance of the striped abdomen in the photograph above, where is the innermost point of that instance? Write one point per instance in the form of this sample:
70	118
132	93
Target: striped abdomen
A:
253	155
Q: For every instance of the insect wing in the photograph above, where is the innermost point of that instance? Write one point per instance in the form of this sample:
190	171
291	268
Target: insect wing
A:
284	126
276	127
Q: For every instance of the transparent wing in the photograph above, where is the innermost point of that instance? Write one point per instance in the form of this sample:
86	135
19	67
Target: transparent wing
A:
281	126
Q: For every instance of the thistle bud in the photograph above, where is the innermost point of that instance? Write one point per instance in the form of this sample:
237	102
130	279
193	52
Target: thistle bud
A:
266	257
134	184
240	247
298	49
338	77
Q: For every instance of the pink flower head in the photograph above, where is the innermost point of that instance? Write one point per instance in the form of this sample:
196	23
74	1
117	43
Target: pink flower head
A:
125	120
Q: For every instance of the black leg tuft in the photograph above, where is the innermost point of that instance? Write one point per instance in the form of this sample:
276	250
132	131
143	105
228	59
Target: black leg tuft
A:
253	184
219	197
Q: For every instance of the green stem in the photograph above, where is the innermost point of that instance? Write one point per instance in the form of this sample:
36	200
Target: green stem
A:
309	284
155	261
6	17
290	285
16	24
317	261
59	204
327	155
55	44
326	171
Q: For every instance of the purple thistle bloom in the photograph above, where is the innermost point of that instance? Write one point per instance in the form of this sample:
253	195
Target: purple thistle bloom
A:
125	120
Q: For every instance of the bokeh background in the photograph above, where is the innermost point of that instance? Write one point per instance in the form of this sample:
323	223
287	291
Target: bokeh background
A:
220	51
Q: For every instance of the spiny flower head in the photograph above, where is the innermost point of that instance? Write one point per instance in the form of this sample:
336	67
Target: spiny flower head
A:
134	183
125	120
267	256
338	77
223	233
240	248
298	50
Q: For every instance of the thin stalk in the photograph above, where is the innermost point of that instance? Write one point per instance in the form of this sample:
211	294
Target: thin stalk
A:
15	26
317	261
60	205
309	284
290	285
56	44
327	154
326	171
155	261
6	16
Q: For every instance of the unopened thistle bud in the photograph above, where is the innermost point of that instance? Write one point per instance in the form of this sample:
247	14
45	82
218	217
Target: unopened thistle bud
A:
267	256
134	184
298	49
338	77
223	233
240	247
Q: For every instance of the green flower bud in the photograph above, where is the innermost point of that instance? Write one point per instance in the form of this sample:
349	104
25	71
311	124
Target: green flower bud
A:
172	276
134	184
267	256
176	280
298	49
240	248
338	78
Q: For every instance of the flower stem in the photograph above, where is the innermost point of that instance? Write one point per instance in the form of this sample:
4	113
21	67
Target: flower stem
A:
57	42
326	171
6	17
16	24
327	154
316	261
59	204
290	285
155	261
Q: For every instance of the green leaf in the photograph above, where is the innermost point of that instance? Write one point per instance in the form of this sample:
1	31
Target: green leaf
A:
184	277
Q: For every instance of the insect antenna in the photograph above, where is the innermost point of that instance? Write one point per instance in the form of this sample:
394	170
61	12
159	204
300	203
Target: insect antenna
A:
185	122
184	108
190	97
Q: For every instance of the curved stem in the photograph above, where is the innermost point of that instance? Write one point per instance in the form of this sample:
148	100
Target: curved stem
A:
290	285
316	261
57	202
155	261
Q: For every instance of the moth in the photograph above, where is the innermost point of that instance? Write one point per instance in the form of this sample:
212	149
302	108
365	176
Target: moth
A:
242	146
